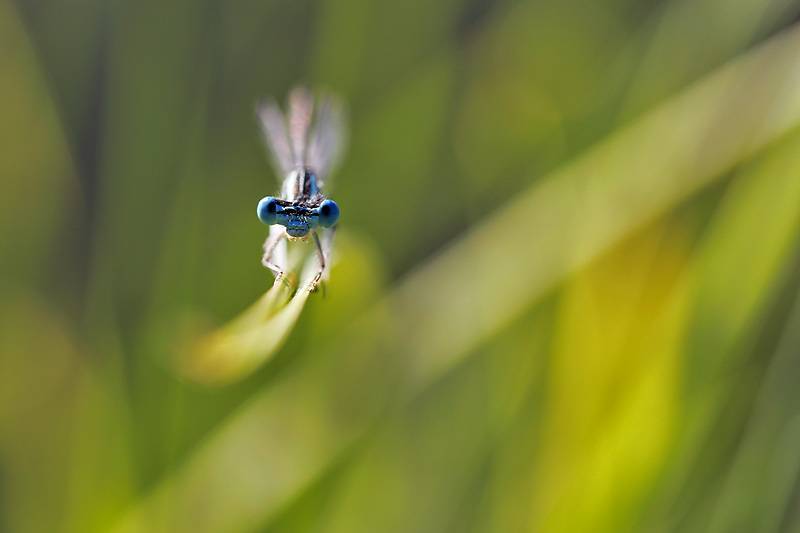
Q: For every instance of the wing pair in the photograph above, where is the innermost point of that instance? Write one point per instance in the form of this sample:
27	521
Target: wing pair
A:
312	140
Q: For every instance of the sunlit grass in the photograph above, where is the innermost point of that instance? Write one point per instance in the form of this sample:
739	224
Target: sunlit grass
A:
486	279
564	289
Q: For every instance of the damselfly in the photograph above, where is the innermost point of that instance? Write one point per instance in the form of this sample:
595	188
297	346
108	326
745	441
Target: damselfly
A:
305	146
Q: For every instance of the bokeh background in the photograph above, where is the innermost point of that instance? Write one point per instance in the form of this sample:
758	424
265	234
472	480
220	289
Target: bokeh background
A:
566	289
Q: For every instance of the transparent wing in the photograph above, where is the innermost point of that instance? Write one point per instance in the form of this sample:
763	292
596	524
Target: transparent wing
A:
301	106
328	138
277	139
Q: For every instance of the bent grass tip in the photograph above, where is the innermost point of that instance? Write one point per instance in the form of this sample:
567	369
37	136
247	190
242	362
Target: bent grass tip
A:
236	349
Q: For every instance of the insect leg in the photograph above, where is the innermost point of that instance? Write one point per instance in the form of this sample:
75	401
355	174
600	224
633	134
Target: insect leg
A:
269	247
321	256
327	248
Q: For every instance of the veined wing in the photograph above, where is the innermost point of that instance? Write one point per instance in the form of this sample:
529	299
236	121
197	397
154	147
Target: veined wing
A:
301	106
328	138
277	138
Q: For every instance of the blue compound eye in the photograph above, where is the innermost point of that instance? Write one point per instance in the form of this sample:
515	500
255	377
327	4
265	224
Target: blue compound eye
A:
268	210
328	213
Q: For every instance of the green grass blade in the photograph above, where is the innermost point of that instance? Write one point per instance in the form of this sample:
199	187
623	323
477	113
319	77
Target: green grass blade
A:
734	276
757	492
237	348
262	457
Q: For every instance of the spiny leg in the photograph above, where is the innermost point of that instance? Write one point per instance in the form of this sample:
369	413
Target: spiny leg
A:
327	247
321	256
269	248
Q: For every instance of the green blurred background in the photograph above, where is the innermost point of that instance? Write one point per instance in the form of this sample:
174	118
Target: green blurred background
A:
566	289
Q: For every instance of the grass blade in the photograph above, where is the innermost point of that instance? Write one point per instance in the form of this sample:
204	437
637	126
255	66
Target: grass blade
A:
441	310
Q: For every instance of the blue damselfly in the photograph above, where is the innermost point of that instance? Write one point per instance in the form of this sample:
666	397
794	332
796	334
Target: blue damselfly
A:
305	146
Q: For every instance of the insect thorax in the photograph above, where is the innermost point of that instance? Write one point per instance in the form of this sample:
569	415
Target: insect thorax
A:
300	186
